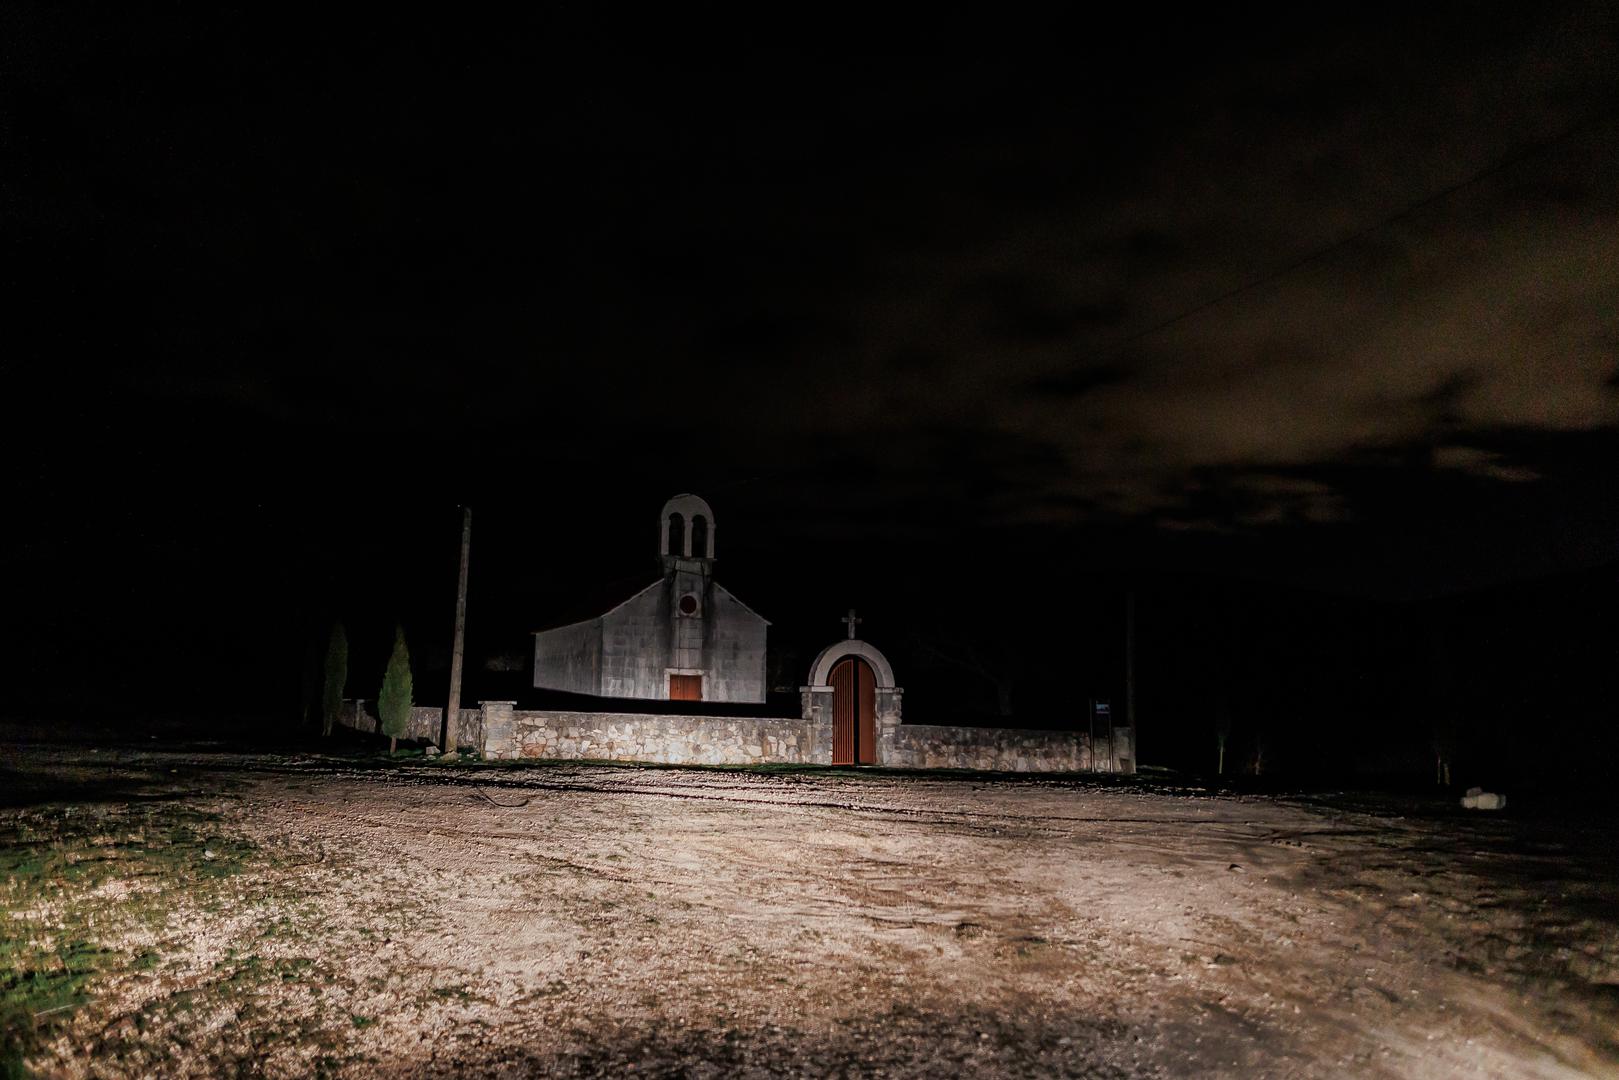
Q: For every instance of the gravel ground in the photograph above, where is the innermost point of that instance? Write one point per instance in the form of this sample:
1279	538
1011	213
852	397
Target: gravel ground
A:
429	920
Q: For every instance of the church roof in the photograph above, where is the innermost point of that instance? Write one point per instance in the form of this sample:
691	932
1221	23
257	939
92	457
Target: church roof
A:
593	603
737	601
606	599
633	596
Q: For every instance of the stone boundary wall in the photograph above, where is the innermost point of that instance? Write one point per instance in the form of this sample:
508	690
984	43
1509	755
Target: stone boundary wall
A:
361	715
928	746
501	732
664	740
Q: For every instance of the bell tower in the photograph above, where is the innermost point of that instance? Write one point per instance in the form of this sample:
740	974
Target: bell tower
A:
686	553
686	535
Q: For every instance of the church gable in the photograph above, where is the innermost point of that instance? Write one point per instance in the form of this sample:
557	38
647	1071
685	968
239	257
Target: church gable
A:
725	595
683	637
651	596
635	645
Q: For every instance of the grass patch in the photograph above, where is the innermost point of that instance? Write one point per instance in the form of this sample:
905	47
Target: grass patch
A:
54	863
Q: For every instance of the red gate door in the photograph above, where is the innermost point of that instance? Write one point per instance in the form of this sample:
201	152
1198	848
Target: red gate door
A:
854	713
685	688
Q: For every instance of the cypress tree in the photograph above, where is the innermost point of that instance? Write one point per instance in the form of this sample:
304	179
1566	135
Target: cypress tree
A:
393	700
337	677
311	675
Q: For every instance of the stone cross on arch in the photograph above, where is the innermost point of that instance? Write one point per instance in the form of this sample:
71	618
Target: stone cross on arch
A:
853	621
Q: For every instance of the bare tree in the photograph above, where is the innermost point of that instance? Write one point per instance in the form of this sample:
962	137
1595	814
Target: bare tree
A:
987	663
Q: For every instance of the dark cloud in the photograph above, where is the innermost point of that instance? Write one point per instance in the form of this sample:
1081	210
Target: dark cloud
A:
1020	311
1141	282
1077	382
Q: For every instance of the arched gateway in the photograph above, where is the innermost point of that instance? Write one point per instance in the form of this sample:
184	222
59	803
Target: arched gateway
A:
854	713
852	700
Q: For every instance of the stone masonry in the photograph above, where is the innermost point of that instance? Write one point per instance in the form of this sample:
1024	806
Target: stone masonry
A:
361	715
501	732
927	746
668	740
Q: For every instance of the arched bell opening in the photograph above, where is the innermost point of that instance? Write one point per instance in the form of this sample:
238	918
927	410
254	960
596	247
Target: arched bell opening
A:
699	537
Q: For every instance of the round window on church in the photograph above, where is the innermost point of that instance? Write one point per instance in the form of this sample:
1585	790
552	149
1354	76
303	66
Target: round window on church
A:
688	604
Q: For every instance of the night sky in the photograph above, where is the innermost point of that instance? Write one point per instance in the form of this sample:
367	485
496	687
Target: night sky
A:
1298	328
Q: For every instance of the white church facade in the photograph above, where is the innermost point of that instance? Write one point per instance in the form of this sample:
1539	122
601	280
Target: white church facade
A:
684	637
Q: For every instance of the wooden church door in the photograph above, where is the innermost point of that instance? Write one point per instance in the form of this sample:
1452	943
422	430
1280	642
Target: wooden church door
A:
685	688
854	713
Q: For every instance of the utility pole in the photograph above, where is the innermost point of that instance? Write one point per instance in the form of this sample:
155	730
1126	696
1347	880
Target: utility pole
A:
452	707
1112	746
1130	674
1092	721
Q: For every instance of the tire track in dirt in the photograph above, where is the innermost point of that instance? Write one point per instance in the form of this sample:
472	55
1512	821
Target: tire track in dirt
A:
586	920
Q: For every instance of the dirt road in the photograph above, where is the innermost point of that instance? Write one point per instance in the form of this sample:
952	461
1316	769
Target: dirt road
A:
430	920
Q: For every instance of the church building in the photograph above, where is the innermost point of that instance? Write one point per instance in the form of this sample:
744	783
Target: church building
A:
682	638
